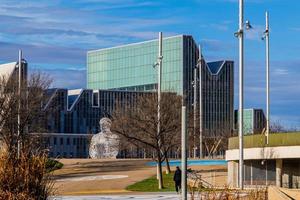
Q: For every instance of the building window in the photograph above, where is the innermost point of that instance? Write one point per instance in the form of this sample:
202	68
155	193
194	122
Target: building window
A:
61	141
95	98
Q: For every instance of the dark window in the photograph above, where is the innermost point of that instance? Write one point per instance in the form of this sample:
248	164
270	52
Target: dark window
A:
61	141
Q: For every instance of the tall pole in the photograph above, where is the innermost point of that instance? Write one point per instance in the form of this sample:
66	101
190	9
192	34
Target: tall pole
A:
158	103
19	103
241	92
195	108
183	154
200	104
267	78
159	80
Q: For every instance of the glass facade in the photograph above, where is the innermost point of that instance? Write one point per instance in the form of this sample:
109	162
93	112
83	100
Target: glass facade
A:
79	111
72	116
254	121
217	98
66	145
131	67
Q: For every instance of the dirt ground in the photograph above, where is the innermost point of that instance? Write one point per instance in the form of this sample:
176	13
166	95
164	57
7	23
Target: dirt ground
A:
132	170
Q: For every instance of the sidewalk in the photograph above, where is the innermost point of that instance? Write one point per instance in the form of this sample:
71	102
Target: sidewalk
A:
144	196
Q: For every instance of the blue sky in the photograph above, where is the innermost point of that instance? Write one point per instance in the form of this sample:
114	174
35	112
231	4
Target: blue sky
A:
56	34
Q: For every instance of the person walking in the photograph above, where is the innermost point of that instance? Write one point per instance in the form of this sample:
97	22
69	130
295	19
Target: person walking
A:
177	179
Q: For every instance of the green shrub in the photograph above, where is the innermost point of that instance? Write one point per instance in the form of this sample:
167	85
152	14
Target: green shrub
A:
52	165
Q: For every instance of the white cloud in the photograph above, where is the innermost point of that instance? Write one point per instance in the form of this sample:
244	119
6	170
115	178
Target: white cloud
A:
281	72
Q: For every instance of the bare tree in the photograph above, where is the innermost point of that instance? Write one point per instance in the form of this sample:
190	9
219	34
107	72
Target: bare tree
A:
22	162
214	141
138	125
277	127
217	140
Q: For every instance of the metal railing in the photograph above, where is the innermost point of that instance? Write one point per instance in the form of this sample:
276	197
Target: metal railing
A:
275	139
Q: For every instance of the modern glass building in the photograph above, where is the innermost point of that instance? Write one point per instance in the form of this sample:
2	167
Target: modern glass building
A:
71	117
254	121
217	91
79	111
130	67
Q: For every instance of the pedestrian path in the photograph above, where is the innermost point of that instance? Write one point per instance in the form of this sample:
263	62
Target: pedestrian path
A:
156	196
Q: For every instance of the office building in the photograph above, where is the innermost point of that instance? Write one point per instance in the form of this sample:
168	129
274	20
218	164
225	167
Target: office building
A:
79	111
217	88
130	67
72	117
11	70
254	121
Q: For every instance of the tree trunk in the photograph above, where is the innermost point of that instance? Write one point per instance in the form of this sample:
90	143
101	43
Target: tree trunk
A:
168	168
160	178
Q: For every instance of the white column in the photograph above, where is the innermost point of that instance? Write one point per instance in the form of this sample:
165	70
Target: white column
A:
279	172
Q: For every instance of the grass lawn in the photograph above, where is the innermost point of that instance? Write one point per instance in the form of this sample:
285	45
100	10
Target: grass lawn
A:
151	184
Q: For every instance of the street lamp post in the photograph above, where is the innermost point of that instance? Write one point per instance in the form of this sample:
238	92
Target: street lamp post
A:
195	109
266	38
240	35
183	154
19	103
159	64
159	80
241	92
200	104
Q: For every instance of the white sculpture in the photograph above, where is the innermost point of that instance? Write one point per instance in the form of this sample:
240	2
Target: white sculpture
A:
105	143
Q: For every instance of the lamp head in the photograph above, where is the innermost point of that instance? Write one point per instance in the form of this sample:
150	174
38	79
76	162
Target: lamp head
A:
248	25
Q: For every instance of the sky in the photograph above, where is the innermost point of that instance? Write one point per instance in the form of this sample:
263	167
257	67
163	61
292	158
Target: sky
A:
56	34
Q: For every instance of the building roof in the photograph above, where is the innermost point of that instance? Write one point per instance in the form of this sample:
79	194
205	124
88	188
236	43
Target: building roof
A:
215	67
7	69
132	44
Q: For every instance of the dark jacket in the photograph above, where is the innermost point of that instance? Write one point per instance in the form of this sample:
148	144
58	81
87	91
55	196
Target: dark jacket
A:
177	175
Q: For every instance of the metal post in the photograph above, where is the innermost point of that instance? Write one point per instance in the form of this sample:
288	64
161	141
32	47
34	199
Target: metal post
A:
200	104
159	74
267	78
241	92
159	80
195	109
19	103
183	154
159	172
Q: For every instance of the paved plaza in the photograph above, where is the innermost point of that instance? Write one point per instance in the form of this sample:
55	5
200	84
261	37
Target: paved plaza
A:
108	179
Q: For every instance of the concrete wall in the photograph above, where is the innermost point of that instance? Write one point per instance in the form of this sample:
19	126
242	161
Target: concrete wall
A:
282	152
232	174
